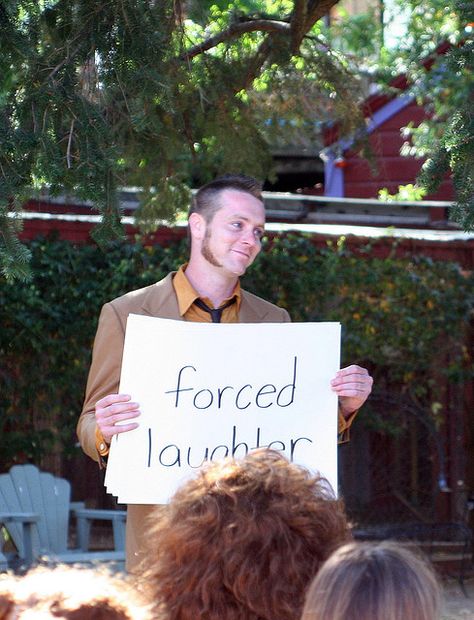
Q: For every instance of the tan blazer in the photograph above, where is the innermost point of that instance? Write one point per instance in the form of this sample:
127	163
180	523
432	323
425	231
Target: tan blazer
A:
157	300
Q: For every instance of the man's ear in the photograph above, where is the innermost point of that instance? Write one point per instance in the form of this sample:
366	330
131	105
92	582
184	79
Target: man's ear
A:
197	226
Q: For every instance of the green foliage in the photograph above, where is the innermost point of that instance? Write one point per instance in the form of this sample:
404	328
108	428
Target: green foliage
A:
404	319
48	325
408	192
455	153
358	35
14	257
442	82
162	96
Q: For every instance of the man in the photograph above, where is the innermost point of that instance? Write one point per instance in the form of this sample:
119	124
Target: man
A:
226	225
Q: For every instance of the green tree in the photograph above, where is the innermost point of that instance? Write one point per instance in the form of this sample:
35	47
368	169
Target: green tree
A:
442	81
97	95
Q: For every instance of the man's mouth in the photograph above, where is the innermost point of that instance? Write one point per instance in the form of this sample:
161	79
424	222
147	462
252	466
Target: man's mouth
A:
242	253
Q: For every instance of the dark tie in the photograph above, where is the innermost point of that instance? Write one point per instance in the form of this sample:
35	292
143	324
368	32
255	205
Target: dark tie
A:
216	313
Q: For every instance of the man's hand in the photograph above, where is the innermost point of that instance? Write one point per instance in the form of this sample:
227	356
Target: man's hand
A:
353	385
112	409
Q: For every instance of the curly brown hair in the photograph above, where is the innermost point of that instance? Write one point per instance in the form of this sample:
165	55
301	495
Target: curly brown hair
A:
243	540
72	593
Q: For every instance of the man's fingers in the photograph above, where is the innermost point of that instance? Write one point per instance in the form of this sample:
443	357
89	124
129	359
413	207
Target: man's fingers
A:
114	413
118	417
108	431
117	409
352	386
352	375
118	428
352	368
111	399
352	395
110	425
350	389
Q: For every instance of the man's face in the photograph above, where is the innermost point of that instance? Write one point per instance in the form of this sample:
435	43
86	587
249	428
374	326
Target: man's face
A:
233	237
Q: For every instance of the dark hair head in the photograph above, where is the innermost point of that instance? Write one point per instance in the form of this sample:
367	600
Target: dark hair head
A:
206	200
243	540
373	581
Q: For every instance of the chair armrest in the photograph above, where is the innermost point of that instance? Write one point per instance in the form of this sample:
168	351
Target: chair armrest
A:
27	520
98	513
85	517
73	506
19	517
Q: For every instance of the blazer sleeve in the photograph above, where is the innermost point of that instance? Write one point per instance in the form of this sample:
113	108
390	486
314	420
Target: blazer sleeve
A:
104	374
344	425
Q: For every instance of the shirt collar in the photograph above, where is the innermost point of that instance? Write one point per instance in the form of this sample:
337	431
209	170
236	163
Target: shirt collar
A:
186	294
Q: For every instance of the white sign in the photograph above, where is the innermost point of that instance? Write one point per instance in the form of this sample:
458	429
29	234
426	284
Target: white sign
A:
207	391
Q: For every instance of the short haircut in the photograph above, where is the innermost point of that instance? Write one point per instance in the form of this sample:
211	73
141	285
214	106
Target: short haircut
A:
374	581
206	200
242	540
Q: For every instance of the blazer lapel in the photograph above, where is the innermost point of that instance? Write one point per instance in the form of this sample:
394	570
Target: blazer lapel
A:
250	312
161	300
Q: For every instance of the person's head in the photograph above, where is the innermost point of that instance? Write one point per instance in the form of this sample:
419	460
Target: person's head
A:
70	593
226	223
373	581
208	198
242	540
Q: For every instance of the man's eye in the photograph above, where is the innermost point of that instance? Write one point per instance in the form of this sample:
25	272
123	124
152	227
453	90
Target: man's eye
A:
259	234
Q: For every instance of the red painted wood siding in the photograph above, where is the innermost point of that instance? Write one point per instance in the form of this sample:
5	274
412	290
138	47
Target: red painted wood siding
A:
392	169
460	251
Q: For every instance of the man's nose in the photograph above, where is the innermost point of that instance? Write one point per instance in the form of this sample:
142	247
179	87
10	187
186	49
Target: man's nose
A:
249	237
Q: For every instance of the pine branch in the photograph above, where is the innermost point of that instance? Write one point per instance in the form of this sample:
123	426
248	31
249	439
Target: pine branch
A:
254	66
305	15
317	9
235	30
14	256
110	228
298	24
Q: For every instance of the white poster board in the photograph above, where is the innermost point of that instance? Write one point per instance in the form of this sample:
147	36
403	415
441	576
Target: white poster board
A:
207	391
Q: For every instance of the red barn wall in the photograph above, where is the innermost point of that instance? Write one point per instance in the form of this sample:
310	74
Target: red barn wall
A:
393	169
457	250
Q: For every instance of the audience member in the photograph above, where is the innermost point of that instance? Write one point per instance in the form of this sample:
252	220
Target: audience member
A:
70	593
243	540
373	581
